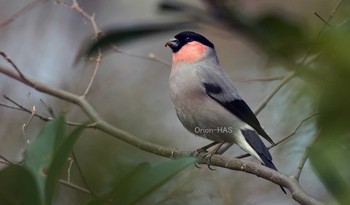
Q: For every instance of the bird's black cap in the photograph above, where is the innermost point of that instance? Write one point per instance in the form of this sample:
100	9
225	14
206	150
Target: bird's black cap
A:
184	37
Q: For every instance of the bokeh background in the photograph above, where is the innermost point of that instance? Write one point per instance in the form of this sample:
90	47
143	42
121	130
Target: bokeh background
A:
133	94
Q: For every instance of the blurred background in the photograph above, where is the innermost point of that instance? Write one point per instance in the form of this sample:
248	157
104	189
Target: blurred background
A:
132	92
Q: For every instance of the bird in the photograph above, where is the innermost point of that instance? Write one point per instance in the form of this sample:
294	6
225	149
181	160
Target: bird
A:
206	101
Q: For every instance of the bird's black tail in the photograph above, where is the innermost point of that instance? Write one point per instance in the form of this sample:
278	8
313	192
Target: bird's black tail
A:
257	144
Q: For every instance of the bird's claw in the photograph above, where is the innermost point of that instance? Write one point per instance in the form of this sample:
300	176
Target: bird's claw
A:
209	167
208	156
197	165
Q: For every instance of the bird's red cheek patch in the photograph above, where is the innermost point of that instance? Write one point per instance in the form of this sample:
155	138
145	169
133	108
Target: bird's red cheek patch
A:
191	52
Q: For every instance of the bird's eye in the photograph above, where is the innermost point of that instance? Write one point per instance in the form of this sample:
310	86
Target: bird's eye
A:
188	39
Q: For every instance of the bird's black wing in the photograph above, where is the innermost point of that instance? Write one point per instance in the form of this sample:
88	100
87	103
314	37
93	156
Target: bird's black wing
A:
219	87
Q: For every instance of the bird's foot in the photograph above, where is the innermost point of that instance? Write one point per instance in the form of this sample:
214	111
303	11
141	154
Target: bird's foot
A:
208	154
195	153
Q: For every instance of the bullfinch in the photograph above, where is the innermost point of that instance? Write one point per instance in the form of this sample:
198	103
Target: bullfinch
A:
206	101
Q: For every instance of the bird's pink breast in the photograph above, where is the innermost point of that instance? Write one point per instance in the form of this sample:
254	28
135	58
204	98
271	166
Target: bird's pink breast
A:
191	52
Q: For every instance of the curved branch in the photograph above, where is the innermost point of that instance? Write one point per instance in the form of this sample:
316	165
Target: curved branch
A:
290	183
217	160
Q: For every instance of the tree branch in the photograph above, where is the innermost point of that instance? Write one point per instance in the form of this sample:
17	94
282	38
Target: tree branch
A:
291	184
217	160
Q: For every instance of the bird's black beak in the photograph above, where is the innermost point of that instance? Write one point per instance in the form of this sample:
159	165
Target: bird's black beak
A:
173	44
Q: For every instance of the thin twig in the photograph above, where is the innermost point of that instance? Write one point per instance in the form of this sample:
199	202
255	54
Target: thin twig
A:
91	18
264	102
80	189
96	67
22	108
15	103
10	106
5	160
31	117
82	176
69	169
301	165
75	187
8	59
321	30
324	21
296	129
26	110
20	12
303	160
48	108
155	58
76	6
25	125
250	79
97	32
150	56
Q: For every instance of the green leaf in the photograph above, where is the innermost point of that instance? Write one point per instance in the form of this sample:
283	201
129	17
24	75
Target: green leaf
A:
129	32
330	159
60	134
39	153
143	180
18	186
58	163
